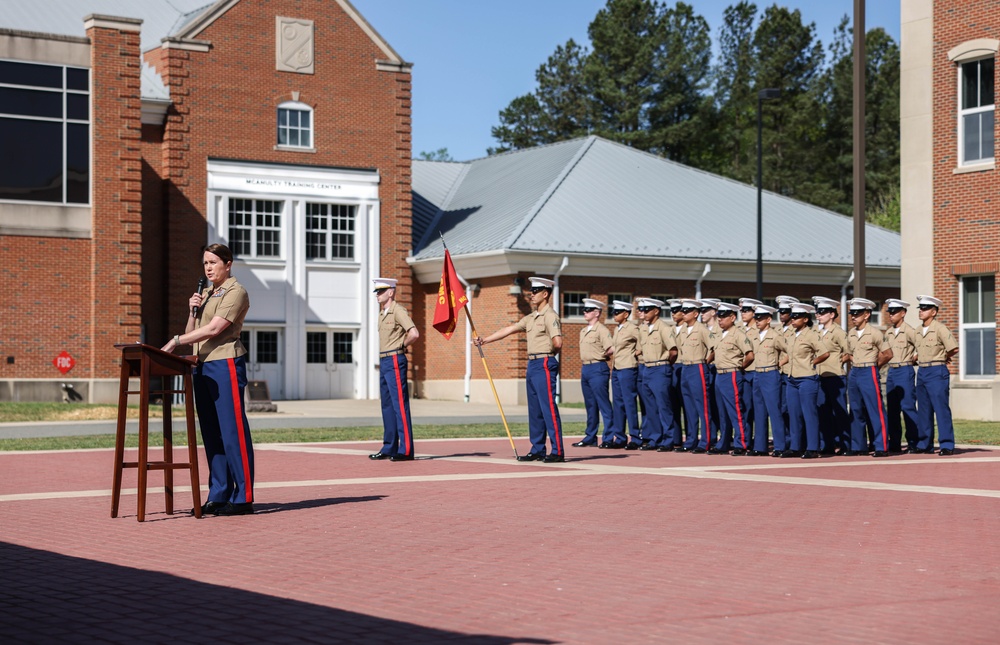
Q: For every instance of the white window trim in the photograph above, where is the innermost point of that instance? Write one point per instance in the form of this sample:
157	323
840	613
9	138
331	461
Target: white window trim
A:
301	107
962	161
329	260
964	326
283	231
575	317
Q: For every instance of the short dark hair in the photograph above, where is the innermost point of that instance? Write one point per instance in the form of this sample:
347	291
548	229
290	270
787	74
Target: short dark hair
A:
220	250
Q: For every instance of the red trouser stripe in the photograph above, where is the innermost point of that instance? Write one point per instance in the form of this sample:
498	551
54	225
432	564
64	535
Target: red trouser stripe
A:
552	407
240	428
881	414
739	414
402	404
707	406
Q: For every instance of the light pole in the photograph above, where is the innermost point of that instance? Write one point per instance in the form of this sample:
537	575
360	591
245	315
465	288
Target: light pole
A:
763	95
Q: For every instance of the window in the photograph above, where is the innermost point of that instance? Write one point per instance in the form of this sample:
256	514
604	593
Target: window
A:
295	125
975	116
573	304
267	347
330	232
665	309
316	346
255	228
624	297
343	347
44	133
978	329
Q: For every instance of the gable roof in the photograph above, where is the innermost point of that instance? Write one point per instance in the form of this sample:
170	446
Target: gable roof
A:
594	196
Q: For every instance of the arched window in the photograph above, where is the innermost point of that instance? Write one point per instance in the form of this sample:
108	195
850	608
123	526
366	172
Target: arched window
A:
976	103
295	125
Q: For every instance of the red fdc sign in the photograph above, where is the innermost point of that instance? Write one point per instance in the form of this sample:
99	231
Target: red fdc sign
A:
63	362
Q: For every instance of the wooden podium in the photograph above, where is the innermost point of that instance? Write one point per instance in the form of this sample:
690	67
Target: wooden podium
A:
146	362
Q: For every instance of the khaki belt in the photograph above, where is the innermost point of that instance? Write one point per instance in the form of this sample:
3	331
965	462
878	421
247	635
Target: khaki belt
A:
692	362
891	365
392	352
727	371
592	362
864	364
769	368
931	363
656	363
532	357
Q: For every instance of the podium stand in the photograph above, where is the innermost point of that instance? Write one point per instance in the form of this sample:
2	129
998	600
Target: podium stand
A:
146	362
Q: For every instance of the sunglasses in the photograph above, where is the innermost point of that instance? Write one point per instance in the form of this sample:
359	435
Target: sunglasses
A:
675	310
746	310
857	312
726	313
784	310
826	310
380	290
705	309
926	307
646	309
688	310
588	309
895	310
799	314
761	316
537	289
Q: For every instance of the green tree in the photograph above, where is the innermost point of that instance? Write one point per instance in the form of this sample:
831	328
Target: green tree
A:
734	126
441	154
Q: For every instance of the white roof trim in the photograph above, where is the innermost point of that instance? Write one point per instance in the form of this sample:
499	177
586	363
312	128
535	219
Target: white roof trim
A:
111	22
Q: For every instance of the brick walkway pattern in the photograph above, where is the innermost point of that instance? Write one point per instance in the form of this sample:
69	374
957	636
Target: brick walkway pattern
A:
466	545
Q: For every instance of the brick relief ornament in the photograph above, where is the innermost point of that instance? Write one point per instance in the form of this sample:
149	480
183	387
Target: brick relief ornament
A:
294	50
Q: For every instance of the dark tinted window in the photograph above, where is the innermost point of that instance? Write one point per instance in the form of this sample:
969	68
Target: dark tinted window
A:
77	106
77	79
77	163
31	163
31	74
31	102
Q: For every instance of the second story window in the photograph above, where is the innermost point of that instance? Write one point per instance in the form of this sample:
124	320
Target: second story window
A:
573	303
255	228
976	110
295	125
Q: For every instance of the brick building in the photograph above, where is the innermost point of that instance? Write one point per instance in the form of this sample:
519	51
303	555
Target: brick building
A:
608	222
136	133
951	184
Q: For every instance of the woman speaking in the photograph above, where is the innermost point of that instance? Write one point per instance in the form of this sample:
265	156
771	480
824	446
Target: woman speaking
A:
220	378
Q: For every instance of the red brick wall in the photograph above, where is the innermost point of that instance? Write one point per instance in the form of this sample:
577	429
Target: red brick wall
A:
225	105
154	236
966	206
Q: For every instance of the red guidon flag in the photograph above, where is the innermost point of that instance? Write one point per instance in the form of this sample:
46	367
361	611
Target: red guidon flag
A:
451	298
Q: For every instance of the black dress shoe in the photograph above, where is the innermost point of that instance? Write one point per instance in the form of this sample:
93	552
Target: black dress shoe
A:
531	456
665	448
378	455
698	451
946	452
756	453
616	445
647	446
401	458
632	446
738	452
716	451
778	453
554	459
583	444
791	454
810	454
880	453
212	508
680	449
236	509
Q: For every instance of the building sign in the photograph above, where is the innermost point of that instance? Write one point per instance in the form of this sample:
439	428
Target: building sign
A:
63	362
304	186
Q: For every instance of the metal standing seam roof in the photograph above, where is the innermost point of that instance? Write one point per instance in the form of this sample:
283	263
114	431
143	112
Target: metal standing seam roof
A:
645	206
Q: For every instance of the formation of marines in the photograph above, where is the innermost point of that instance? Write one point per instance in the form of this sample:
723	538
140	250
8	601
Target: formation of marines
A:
749	379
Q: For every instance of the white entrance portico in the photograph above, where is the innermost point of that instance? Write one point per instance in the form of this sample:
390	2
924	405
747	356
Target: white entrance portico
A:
305	241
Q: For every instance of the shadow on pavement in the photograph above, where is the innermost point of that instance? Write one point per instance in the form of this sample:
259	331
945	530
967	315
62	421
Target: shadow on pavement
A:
52	598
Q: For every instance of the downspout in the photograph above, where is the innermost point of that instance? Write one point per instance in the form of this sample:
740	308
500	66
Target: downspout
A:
555	303
697	285
468	338
843	301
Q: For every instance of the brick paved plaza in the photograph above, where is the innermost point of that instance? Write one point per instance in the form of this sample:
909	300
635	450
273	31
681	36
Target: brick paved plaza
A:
466	545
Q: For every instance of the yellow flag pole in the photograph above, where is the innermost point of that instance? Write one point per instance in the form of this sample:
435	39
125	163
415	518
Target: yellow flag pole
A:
490	378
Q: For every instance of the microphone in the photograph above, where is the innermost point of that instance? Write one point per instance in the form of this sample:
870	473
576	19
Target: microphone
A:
202	283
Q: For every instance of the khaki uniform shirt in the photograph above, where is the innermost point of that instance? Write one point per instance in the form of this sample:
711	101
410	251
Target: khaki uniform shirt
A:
594	343
625	340
393	323
768	350
656	341
748	331
694	343
867	347
903	341
540	327
731	347
786	335
229	301
805	345
935	344
835	341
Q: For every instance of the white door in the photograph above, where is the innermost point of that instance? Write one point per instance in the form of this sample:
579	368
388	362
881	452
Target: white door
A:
330	365
264	360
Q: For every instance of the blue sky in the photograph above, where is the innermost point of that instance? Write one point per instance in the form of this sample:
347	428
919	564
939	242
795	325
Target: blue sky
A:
472	57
